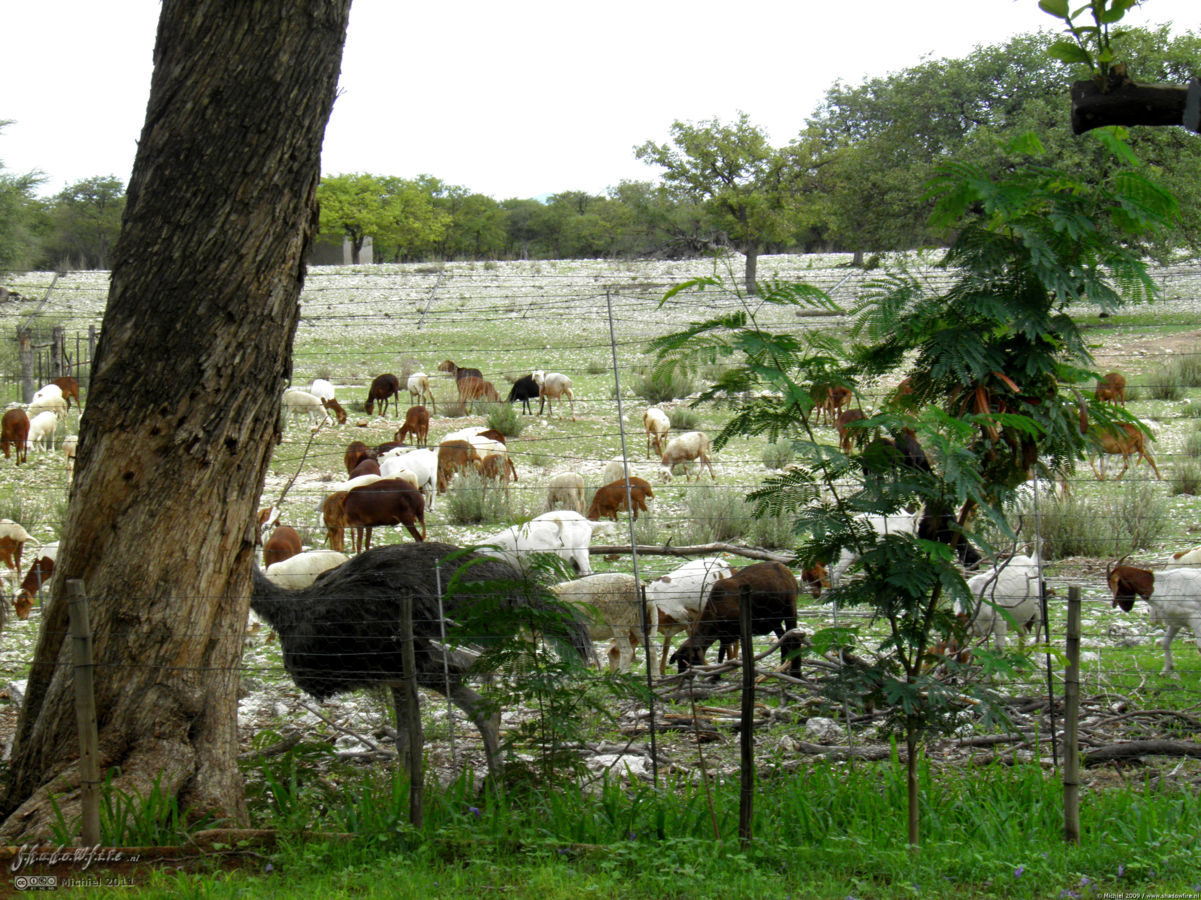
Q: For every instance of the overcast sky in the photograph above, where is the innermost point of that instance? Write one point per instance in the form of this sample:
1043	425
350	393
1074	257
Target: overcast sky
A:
517	99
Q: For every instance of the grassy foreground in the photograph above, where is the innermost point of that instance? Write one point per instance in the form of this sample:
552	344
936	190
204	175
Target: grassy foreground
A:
829	830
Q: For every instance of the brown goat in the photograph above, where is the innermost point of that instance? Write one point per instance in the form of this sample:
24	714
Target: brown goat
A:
70	388
773	595
1112	388
284	543
382	388
417	424
612	497
458	372
333	406
1125	440
849	437
366	467
14	429
389	501
455	456
39	573
829	400
333	513
356	452
498	467
473	388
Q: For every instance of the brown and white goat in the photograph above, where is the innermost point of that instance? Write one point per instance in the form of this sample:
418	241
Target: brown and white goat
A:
1174	596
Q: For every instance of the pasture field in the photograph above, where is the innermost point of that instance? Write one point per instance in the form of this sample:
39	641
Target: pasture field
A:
510	318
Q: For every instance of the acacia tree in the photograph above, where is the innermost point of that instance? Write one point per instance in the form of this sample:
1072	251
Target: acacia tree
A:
183	410
82	223
16	204
745	186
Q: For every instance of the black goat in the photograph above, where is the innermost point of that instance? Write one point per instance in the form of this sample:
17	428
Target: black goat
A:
340	633
524	389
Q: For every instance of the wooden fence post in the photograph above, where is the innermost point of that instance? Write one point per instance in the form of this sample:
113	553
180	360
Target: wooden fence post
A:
1071	715
413	713
25	358
746	734
58	340
85	714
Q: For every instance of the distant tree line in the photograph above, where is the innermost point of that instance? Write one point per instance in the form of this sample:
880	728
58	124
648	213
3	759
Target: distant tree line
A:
852	180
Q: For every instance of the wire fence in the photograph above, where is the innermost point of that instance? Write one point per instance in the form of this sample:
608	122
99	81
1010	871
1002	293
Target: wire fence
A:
511	318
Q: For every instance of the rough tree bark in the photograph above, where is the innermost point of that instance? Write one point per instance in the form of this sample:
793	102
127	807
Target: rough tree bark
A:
1126	103
183	410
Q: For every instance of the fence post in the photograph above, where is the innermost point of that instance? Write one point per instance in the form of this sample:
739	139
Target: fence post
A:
412	712
25	358
85	714
58	340
746	734
1071	715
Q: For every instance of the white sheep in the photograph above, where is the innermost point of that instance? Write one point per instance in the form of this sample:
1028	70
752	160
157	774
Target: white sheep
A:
42	429
1174	596
615	470
422	463
553	386
299	403
301	570
49	397
561	532
900	522
419	388
686	448
566	491
70	446
322	389
610	604
679	596
1007	595
1188	557
657	424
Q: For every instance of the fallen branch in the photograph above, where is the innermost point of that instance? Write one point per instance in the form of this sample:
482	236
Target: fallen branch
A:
1134	749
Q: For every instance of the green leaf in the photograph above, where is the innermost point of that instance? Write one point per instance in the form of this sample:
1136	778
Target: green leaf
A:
1067	52
1056	8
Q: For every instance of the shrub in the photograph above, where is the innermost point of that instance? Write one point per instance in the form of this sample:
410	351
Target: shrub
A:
472	501
1192	445
683	419
714	513
659	387
1134	392
503	417
1165	387
1186	478
777	455
1186	369
1191	410
1106	526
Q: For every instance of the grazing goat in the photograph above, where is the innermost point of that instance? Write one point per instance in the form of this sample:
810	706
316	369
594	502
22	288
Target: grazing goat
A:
1173	595
553	386
1112	389
422	463
70	446
301	403
419	388
333	514
472	389
849	436
12	542
657	425
367	467
42	429
333	641
610	604
389	501
498	467
900	522
611	498
70	388
14	429
615	470
773	595
283	543
1126	440
566	491
417	424
48	397
383	387
39	574
565	534
829	399
356	452
323	389
524	389
455	456
301	570
333	406
1188	557
686	448
679	596
458	372
1007	595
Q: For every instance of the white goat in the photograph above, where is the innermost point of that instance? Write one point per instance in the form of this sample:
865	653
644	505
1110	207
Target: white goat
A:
566	491
322	389
1188	557
299	403
553	386
70	446
609	603
615	470
900	522
686	448
419	388
422	463
1007	595
561	532
42	429
301	570
1174	596
657	424
680	595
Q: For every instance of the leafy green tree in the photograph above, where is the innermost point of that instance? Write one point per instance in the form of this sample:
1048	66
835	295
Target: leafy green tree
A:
16	210
398	215
744	186
996	364
82	223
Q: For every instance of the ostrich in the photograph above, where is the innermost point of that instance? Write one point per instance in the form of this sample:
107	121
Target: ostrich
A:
340	633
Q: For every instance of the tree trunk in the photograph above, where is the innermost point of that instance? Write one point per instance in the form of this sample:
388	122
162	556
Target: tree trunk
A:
1125	103
752	270
183	408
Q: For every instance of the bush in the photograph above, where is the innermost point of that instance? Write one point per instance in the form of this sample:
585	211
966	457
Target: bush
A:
1165	387
1191	410
1192	445
659	387
715	513
503	417
473	500
777	455
683	419
1134	392
1106	526
1186	478
1186	369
